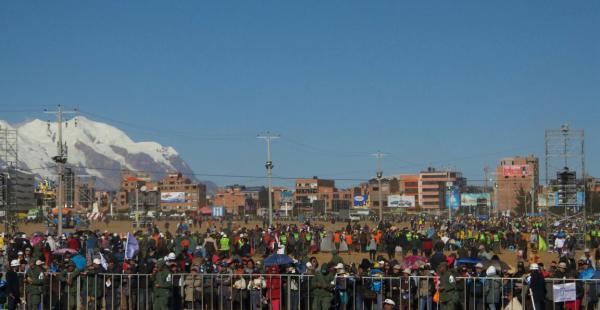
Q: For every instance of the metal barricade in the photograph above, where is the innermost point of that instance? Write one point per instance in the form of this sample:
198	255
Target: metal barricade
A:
230	290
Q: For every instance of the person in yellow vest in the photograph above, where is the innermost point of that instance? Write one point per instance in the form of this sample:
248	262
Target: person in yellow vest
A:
224	246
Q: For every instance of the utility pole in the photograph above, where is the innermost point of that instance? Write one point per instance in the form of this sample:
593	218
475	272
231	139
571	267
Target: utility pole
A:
268	137
379	174
60	159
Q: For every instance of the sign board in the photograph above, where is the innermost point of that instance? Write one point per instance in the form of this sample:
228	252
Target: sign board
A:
401	201
172	197
564	292
475	199
515	170
361	202
218	212
453	198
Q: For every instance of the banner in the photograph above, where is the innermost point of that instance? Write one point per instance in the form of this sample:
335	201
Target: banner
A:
172	197
475	200
453	198
401	201
515	170
131	246
564	292
218	211
361	202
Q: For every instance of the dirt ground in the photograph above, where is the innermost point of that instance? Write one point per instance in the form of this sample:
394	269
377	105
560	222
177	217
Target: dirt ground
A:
126	226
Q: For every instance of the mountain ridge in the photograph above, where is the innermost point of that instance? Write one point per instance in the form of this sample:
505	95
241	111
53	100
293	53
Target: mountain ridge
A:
96	149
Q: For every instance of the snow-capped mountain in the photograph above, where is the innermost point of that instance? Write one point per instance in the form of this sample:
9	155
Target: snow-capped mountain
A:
94	149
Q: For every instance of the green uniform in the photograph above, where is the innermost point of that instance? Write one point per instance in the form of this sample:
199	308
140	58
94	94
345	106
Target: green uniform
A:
321	292
69	293
448	293
35	287
163	287
94	285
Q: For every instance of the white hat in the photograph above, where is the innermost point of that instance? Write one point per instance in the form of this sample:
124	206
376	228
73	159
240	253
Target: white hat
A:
308	265
171	256
14	263
96	261
479	265
491	271
534	266
389	302
161	235
20	253
339	266
407	271
39	262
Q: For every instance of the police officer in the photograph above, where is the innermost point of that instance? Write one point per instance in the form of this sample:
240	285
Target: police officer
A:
70	279
322	289
447	288
34	277
163	285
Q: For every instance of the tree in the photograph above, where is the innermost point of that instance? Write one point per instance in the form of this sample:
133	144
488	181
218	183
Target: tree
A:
523	201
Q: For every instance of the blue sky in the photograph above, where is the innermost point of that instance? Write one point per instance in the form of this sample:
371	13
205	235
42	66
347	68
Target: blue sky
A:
449	83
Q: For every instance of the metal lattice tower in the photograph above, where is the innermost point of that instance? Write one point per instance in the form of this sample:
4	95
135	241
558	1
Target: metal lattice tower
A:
564	148
9	162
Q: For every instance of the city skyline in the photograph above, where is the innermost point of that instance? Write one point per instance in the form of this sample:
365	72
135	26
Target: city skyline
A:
338	81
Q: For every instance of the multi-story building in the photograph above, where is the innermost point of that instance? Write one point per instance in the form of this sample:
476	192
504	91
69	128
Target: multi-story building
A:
512	175
433	186
314	195
178	193
241	200
409	186
17	189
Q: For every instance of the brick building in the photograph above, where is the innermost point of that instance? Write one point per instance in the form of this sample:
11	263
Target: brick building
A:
178	193
512	174
242	200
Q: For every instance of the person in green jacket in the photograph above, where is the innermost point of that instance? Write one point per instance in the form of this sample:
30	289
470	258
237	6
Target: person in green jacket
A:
34	279
70	278
94	284
322	289
447	288
163	287
224	246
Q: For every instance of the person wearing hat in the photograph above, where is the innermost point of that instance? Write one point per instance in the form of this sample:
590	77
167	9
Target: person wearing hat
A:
93	280
447	288
322	290
192	289
163	284
537	285
34	280
13	290
389	304
492	288
69	278
224	246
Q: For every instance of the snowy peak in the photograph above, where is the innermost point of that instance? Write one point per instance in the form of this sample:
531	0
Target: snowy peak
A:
93	148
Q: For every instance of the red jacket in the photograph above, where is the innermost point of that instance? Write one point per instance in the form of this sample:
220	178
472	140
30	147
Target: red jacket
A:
273	287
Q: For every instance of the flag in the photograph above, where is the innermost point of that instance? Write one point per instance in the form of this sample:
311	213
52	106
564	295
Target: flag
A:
131	246
542	246
103	262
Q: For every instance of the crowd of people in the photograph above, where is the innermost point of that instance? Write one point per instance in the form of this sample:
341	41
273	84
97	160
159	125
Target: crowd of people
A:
419	263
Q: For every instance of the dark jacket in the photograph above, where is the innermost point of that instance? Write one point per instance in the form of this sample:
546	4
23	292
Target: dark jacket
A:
13	284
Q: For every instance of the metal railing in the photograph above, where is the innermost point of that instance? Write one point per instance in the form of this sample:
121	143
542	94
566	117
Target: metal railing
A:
224	291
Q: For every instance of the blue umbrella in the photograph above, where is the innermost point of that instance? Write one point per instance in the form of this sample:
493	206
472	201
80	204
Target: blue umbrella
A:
468	261
278	260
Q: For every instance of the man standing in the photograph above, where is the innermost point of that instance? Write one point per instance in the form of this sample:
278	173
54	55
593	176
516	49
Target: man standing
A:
12	286
163	286
34	277
447	288
322	289
69	278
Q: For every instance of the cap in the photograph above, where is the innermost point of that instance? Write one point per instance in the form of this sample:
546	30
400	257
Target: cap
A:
339	266
389	302
562	265
586	250
482	247
171	256
407	271
534	266
96	261
20	253
308	265
14	263
491	271
479	265
39	262
397	267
